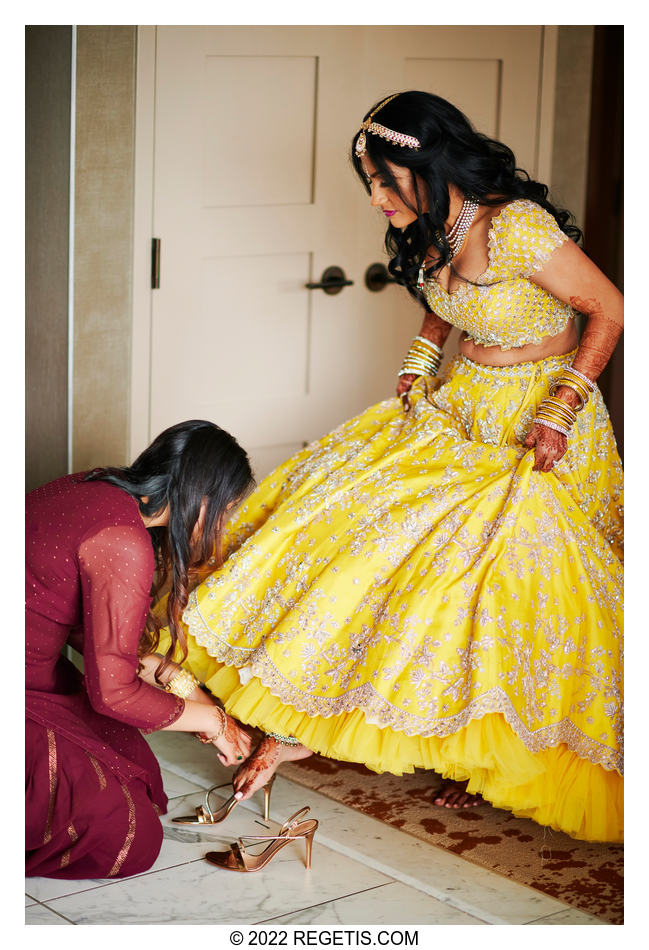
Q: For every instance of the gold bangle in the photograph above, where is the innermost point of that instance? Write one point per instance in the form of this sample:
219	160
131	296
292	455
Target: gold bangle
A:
552	421
417	350
207	740
559	406
428	343
217	735
549	413
409	369
413	359
430	351
550	410
424	358
554	416
419	363
568	384
570	373
589	382
182	684
577	387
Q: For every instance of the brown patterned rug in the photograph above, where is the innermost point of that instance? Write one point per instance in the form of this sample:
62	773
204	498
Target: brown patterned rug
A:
585	875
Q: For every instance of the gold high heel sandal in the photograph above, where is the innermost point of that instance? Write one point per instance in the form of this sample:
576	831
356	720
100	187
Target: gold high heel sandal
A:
238	859
205	816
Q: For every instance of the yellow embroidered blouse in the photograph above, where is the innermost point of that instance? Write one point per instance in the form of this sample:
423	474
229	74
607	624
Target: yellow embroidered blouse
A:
503	308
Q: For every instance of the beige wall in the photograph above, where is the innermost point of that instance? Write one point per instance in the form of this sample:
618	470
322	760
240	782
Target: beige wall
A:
572	119
105	148
47	174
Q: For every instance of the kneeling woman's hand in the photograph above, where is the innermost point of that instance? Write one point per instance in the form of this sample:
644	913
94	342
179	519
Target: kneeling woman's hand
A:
201	714
232	742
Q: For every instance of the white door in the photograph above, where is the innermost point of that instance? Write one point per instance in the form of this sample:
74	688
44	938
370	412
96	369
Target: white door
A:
253	197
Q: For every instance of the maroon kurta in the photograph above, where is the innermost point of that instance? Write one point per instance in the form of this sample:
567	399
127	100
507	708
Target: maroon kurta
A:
93	787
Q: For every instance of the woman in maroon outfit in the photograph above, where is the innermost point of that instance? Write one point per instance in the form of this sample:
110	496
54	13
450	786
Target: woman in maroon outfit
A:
94	542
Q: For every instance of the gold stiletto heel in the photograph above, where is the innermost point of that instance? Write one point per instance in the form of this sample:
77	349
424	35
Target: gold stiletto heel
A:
205	816
238	859
268	787
308	840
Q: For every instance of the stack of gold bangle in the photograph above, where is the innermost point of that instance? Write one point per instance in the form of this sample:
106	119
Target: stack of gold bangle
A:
556	414
423	358
182	684
576	381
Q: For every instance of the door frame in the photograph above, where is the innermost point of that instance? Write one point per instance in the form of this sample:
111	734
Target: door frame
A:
140	403
143	203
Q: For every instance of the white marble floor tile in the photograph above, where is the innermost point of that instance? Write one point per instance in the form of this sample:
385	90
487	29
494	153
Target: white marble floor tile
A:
46	889
182	754
175	784
37	914
390	904
197	893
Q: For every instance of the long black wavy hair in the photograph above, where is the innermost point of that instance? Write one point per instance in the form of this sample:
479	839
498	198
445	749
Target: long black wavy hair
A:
186	464
451	152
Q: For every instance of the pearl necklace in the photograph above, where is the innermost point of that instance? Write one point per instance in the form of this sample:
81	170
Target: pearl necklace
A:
459	231
457	234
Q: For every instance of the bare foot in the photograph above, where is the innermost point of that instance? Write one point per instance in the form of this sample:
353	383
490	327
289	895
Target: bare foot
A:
454	795
256	771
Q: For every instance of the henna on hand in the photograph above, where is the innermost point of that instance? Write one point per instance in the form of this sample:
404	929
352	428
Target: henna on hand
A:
598	340
435	329
569	396
263	758
403	388
405	383
231	735
549	446
232	731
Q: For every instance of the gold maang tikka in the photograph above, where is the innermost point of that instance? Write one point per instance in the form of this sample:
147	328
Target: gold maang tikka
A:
398	138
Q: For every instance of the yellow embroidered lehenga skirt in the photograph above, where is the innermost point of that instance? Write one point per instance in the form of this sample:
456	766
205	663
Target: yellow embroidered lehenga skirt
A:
408	593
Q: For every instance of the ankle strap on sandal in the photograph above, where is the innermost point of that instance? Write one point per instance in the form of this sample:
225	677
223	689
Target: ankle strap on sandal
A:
288	825
295	819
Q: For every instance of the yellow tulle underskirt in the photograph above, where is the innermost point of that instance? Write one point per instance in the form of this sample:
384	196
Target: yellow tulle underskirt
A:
552	786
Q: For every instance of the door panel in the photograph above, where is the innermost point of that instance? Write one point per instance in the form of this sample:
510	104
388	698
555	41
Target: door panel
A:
244	102
254	196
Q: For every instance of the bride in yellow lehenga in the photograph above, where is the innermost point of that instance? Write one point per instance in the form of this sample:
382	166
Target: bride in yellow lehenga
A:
437	584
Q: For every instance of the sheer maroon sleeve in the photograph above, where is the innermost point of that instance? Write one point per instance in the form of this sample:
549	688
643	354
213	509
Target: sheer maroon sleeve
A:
116	567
